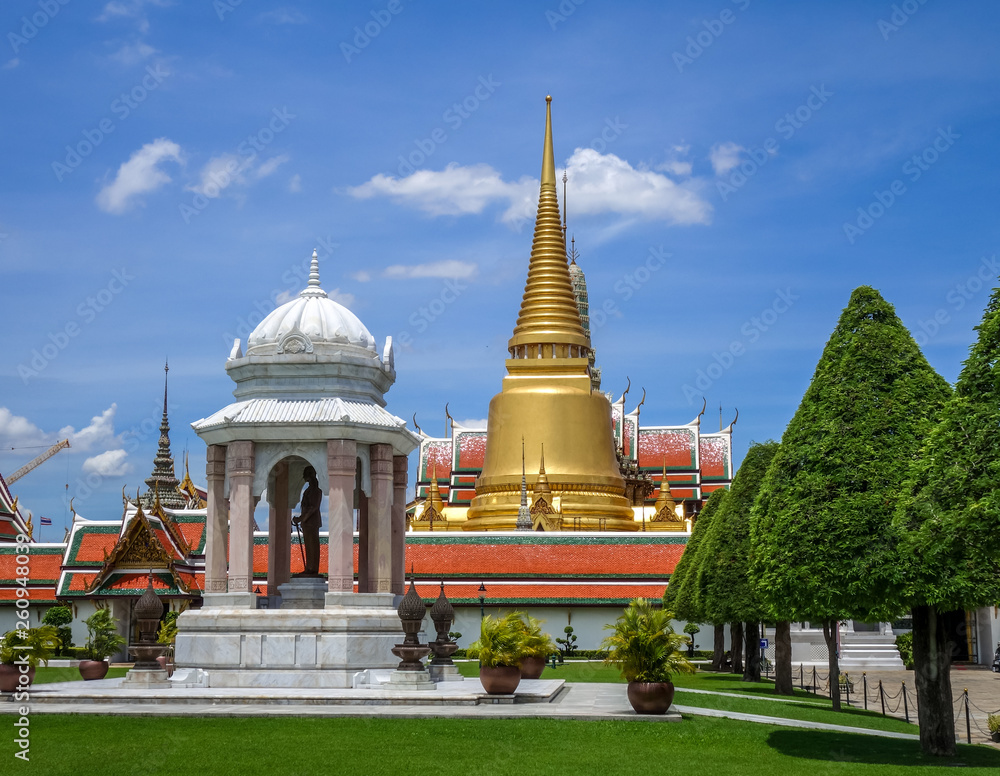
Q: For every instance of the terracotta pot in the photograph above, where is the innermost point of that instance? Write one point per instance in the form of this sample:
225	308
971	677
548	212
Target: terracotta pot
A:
500	680
93	669
532	667
167	666
650	697
9	676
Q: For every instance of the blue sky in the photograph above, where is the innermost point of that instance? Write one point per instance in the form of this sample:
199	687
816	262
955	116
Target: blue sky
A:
168	168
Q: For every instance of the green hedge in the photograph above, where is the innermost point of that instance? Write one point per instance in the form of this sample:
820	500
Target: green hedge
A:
904	643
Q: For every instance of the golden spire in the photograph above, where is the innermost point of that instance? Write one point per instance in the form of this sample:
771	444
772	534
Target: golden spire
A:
542	483
665	499
433	494
549	319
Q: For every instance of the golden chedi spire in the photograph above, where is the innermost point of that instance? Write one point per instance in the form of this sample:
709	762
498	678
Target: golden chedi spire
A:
549	320
542	483
665	509
547	396
434	493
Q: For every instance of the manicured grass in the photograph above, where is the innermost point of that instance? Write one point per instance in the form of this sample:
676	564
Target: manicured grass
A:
83	745
817	710
45	675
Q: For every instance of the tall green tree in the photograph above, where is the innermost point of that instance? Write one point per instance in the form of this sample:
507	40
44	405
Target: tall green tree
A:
821	533
949	526
729	594
683	596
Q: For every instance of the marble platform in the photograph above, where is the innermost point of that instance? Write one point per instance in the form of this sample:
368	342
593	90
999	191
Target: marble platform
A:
289	648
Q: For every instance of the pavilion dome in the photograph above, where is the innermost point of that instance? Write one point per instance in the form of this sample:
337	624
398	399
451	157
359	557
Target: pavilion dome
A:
308	323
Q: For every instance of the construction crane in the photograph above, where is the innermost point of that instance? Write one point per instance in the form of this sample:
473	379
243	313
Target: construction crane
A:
31	465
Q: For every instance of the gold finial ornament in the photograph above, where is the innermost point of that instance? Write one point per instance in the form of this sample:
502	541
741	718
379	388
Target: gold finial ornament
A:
547	396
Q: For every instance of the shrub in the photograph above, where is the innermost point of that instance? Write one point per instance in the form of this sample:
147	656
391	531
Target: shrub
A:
644	646
500	641
38	645
103	639
61	617
904	643
534	643
567	645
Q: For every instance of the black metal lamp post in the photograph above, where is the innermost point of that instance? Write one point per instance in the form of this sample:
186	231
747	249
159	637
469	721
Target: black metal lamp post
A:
482	601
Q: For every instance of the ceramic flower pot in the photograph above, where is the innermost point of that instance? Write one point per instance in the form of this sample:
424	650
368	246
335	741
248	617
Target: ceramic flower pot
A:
165	664
500	680
10	678
532	667
650	697
93	669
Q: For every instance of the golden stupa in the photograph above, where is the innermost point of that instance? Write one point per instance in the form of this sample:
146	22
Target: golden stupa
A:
547	397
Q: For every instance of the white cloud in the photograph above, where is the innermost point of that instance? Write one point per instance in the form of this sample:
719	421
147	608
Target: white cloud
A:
453	191
341	297
133	53
475	423
100	431
602	183
10	64
140	174
724	157
113	463
361	276
449	268
675	167
295	183
283	15
285	296
17	431
271	165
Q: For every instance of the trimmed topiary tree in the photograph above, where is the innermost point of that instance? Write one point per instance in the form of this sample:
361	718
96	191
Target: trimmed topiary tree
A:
60	617
949	526
683	596
729	595
821	539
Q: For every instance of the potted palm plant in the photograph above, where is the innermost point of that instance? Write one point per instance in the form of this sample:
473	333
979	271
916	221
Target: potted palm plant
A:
536	647
103	640
647	651
25	646
167	634
499	653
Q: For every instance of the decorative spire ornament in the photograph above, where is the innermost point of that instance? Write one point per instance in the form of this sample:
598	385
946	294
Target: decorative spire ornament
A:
523	513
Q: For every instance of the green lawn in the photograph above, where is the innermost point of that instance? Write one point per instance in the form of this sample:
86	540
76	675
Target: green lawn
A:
45	675
83	745
817	710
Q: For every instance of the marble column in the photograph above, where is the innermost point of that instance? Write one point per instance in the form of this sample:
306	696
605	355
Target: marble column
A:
398	566
240	465
342	465
279	532
380	521
217	520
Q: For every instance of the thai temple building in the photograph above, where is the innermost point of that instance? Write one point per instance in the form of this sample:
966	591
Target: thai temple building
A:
567	505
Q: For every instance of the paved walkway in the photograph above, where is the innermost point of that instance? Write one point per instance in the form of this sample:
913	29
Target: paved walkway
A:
580	701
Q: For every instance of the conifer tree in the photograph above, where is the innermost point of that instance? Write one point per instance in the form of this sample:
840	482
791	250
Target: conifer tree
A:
729	594
683	597
949	525
821	541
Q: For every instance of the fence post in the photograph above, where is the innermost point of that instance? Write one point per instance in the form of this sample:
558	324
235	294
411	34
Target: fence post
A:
815	683
881	696
864	681
847	687
906	707
968	727
802	681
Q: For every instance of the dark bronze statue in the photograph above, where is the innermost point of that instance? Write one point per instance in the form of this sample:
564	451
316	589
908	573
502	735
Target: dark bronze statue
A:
309	520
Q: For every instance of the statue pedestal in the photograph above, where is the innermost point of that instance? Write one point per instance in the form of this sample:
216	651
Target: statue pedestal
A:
409	680
303	593
447	673
146	678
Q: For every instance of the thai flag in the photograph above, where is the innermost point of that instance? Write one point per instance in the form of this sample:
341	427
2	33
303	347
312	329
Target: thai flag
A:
46	521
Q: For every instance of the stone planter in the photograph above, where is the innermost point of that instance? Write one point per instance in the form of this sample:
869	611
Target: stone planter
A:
650	697
93	669
500	680
532	667
9	676
166	664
